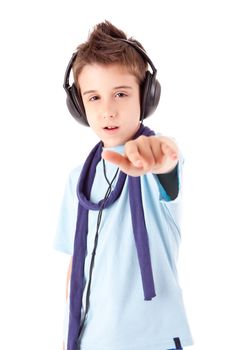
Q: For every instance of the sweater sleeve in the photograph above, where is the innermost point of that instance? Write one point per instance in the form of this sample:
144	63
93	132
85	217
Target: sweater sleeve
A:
170	183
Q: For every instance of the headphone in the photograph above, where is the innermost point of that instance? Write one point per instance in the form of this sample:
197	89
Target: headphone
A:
150	90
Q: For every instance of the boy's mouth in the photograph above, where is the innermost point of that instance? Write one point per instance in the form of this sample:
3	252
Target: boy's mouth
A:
110	128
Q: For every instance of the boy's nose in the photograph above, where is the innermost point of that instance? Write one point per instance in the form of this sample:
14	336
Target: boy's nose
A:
109	111
109	115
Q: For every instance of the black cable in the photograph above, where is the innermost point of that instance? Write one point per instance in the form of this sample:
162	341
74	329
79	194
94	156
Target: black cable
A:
105	173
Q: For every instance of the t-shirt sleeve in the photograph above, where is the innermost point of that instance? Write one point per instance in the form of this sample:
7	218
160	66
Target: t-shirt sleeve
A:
64	237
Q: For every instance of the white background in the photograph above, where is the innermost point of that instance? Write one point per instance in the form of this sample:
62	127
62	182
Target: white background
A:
190	43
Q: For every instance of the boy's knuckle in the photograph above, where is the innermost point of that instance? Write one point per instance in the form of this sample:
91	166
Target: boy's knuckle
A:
143	139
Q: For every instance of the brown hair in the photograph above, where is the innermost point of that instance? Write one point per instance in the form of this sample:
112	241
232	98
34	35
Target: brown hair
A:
103	47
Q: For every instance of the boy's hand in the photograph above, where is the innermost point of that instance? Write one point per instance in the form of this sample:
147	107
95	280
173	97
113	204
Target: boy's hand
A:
154	154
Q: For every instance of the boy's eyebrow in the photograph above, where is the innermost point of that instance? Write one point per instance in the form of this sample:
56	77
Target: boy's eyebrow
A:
115	88
122	87
89	92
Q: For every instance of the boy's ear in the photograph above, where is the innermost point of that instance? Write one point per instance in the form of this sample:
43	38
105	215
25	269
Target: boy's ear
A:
150	95
75	105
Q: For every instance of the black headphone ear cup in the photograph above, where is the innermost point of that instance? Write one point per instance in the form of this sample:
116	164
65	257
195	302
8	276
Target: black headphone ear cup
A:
150	95
75	105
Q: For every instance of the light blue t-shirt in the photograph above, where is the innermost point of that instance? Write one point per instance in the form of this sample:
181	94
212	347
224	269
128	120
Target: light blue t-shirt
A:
119	318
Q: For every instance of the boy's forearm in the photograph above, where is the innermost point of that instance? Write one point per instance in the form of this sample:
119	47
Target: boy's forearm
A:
67	289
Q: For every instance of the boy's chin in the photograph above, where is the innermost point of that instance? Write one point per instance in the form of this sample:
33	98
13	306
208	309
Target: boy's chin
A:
112	144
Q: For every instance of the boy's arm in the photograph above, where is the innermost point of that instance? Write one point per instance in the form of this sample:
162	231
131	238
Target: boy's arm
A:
67	288
154	154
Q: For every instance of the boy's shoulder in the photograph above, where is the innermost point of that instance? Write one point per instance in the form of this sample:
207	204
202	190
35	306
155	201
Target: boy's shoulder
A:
73	176
75	171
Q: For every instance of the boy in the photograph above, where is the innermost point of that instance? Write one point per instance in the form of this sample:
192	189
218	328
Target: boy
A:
119	219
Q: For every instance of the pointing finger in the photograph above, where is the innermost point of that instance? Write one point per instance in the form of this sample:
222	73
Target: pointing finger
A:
114	158
122	162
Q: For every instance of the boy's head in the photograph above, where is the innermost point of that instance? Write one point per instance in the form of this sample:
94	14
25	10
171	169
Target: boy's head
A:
108	49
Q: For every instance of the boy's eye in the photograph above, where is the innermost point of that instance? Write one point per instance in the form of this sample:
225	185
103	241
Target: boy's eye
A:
93	98
121	94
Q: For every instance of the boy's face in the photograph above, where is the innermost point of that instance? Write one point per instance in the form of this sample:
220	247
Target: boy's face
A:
112	102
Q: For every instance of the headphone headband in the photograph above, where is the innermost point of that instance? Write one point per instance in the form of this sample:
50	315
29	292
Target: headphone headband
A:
142	53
